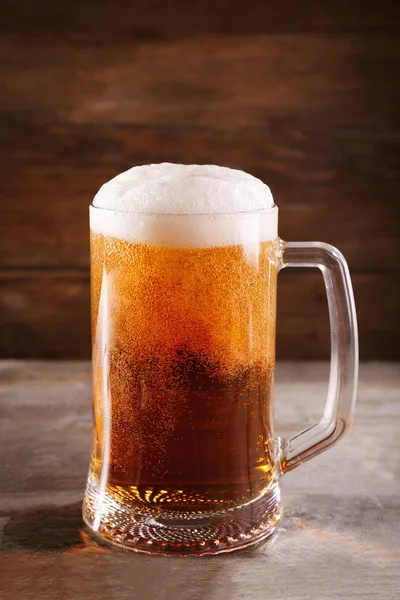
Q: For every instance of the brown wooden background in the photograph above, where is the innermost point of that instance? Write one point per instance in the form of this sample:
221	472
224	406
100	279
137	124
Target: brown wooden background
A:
304	95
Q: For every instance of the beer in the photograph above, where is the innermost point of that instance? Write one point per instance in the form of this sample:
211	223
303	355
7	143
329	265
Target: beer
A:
190	362
184	263
183	329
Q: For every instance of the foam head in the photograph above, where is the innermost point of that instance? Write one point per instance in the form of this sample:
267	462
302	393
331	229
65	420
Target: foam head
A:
201	205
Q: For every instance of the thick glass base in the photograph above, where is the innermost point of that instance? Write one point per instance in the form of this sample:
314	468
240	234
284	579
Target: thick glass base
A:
183	533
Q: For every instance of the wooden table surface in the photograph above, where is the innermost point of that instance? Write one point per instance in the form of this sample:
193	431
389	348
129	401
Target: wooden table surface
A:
339	538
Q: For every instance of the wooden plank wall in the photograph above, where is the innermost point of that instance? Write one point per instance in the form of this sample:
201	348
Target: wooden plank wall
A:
304	95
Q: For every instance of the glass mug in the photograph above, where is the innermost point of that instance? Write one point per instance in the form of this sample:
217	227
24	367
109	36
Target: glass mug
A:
184	458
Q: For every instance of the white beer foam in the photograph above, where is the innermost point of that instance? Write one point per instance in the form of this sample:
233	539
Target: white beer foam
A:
185	206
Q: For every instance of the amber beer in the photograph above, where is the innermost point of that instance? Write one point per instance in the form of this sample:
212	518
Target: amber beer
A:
183	383
184	264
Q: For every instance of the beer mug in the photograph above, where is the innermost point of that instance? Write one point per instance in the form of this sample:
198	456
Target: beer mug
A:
184	268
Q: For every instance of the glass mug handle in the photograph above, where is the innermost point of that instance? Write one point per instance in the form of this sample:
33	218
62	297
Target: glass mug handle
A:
342	390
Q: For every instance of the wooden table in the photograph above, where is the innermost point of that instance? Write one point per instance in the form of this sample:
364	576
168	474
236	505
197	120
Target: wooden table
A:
339	539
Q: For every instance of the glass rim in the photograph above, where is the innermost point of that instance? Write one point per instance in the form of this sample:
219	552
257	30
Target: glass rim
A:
255	212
